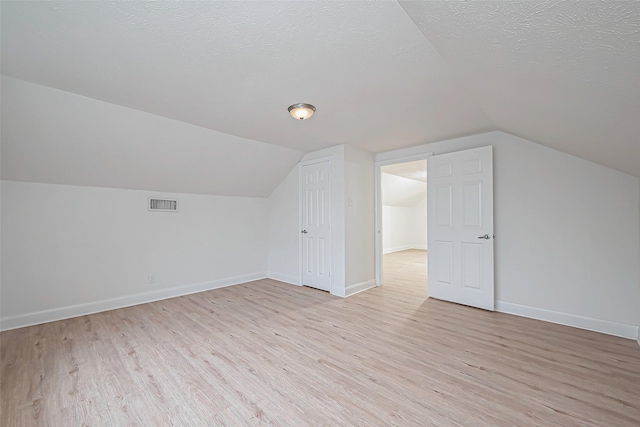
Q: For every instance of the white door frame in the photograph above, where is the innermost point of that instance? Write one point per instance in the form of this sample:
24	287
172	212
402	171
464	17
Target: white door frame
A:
378	201
300	218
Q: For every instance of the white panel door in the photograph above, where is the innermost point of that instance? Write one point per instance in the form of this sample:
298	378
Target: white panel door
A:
316	226
460	227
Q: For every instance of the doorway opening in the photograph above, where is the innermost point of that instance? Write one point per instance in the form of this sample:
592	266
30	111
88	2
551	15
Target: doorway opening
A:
402	225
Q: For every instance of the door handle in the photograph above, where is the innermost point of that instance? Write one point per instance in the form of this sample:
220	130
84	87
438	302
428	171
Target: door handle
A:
304	231
486	236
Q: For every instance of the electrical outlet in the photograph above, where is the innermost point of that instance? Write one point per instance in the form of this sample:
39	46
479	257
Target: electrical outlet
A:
151	279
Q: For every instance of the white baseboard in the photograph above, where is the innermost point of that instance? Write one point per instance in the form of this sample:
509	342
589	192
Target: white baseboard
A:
604	326
359	287
395	249
36	318
403	248
638	339
286	278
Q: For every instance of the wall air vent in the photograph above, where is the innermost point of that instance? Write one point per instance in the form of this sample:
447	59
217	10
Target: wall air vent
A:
163	205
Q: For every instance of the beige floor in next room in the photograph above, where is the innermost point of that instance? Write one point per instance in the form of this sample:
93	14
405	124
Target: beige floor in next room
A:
268	353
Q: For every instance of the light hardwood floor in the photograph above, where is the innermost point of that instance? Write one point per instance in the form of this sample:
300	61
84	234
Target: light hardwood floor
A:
270	353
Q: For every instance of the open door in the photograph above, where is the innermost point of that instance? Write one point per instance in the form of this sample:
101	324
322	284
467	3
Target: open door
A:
460	227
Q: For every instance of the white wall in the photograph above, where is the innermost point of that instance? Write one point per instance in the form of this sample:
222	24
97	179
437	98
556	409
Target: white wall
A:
567	234
284	231
69	250
397	232
400	191
359	220
404	227
567	239
404	213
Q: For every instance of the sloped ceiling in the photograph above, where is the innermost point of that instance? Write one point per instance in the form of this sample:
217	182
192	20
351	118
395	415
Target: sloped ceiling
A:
416	170
400	191
383	75
565	74
404	184
58	137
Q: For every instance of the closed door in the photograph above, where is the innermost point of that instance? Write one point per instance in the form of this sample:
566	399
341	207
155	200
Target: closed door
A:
316	226
460	227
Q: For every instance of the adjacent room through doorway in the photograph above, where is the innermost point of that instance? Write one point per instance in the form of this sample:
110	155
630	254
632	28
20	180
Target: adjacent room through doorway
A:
403	190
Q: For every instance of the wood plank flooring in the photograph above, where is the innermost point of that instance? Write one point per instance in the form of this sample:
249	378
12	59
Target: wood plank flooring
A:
267	353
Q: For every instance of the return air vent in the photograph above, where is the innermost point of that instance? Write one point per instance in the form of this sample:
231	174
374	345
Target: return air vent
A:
163	205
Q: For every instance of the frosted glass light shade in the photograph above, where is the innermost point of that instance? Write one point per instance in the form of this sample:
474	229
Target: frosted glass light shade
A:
301	111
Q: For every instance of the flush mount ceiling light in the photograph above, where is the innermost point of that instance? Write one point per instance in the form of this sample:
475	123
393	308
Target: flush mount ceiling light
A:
301	111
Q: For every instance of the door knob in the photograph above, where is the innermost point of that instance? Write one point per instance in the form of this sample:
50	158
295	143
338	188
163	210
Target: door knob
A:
486	236
304	231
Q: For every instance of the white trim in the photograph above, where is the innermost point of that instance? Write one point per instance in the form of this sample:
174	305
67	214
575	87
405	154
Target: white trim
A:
313	161
396	249
359	287
52	315
638	334
383	159
285	278
394	157
597	325
404	248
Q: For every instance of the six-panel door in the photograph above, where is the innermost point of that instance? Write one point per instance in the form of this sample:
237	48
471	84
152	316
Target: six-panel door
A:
316	226
460	221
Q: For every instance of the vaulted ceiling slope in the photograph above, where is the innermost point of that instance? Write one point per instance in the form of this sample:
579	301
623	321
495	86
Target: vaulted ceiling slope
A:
383	75
404	184
57	137
565	74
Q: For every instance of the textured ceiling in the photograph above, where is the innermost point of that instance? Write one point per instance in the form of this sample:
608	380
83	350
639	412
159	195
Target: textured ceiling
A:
565	74
236	66
383	75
